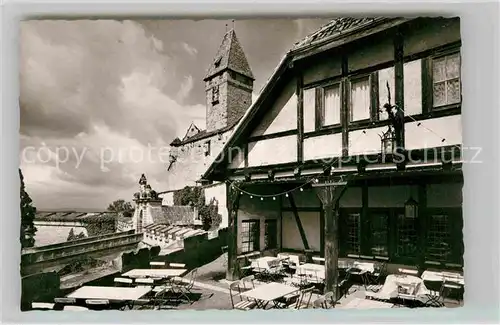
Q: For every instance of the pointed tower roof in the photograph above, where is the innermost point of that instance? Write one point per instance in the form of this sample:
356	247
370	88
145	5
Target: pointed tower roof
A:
230	56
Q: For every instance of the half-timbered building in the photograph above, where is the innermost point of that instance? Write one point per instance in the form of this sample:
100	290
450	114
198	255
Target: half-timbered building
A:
353	149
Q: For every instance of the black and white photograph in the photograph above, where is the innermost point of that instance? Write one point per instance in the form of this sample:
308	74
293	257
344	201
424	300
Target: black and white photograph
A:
241	164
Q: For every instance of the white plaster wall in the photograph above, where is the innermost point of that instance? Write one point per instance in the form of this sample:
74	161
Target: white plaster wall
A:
257	209
168	198
391	196
371	54
365	143
323	146
272	151
449	128
305	199
282	115
291	235
444	195
351	198
434	33
219	193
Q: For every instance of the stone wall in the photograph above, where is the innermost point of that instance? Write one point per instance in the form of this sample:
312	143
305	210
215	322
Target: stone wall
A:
192	162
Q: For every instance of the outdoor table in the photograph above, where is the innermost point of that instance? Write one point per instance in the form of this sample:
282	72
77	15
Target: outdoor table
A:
154	273
310	269
266	262
433	276
416	289
113	294
362	269
360	303
268	292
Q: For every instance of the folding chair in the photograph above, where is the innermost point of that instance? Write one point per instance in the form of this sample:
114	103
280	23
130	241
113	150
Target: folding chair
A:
42	306
75	308
376	277
97	304
145	282
157	265
184	288
247	280
123	282
60	303
177	265
319	303
243	304
304	299
451	288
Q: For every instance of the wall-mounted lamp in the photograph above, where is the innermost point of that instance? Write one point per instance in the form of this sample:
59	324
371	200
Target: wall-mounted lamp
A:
411	208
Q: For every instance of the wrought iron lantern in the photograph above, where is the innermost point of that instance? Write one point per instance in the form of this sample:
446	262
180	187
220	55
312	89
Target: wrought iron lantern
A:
388	141
411	208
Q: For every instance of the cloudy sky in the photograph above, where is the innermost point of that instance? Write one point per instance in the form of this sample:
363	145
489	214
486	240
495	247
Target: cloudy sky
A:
98	95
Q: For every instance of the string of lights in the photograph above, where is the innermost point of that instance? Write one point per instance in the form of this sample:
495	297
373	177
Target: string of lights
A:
315	178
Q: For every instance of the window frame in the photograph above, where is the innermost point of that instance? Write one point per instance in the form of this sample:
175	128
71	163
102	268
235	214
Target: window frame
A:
255	242
321	102
266	234
215	94
350	80
430	77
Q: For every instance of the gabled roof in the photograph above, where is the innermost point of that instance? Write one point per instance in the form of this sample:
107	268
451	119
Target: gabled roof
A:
230	56
191	131
334	34
335	27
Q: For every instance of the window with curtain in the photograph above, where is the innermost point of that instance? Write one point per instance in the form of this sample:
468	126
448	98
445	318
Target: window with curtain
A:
446	80
352	244
331	105
360	99
380	234
250	230
271	234
407	236
438	238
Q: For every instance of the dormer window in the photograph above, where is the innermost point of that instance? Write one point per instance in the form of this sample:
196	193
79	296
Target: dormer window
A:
215	94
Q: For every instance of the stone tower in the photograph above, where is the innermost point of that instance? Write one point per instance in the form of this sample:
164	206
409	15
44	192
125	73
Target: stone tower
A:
147	206
228	84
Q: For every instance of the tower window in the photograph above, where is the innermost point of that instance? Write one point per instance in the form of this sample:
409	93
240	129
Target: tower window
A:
217	62
215	94
206	148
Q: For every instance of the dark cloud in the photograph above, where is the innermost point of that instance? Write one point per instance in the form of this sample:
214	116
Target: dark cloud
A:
94	84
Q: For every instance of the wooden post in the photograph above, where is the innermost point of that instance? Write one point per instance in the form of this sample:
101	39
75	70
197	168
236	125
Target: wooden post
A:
329	192
233	198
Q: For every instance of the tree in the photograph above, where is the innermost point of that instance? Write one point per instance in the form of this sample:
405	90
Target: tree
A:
72	236
121	206
209	215
28	211
195	197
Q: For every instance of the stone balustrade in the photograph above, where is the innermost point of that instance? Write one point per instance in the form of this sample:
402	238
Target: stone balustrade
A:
79	247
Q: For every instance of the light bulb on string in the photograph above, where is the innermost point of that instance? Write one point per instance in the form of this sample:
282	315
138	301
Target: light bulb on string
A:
301	189
251	196
286	194
262	199
274	198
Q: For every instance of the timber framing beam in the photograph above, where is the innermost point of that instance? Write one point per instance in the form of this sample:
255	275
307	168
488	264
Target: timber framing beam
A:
299	223
233	198
329	190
